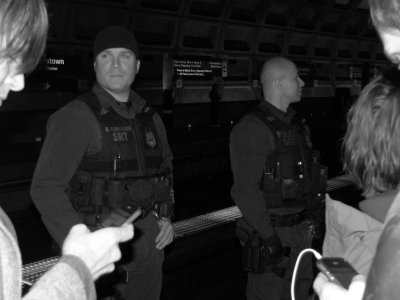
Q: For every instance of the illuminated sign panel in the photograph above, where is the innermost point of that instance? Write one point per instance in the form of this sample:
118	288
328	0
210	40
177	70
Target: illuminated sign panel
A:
197	68
55	73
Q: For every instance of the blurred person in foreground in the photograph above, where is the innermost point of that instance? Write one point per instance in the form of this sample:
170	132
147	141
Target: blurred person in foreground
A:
382	279
279	185
372	156
115	154
85	256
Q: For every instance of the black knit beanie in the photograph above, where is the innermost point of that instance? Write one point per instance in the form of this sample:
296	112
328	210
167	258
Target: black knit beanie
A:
114	37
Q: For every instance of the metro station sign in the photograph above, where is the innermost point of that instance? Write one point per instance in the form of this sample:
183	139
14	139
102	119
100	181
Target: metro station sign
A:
198	67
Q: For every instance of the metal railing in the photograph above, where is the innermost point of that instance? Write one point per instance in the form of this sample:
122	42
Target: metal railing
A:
32	272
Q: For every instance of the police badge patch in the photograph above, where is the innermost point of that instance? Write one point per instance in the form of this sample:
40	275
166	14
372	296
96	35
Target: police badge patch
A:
150	138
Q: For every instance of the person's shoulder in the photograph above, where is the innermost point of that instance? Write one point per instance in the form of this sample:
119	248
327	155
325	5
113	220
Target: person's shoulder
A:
143	106
250	127
74	110
251	121
77	107
378	207
138	101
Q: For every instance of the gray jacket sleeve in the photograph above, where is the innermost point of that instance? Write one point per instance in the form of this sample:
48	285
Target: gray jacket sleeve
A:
69	279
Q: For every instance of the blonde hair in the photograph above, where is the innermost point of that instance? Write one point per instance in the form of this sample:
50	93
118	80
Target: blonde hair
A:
371	147
23	31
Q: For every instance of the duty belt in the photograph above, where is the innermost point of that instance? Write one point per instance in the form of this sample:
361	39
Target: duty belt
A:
287	220
92	220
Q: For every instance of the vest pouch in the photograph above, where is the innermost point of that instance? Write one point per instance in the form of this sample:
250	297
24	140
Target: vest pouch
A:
289	189
272	190
79	190
303	190
161	188
141	193
116	192
97	191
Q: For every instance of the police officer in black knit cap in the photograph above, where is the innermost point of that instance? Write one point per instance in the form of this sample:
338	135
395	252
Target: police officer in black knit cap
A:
279	186
105	155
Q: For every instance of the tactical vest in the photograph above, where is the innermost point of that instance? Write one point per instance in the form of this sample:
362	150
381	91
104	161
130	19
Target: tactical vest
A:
128	169
293	175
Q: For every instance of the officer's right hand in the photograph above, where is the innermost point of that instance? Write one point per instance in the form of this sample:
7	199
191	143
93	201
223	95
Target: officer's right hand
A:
99	250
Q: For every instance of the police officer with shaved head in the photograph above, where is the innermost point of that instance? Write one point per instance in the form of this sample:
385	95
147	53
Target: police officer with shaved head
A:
278	184
107	152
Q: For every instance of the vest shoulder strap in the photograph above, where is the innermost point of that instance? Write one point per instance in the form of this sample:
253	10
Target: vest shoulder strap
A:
148	110
300	122
272	122
267	118
90	99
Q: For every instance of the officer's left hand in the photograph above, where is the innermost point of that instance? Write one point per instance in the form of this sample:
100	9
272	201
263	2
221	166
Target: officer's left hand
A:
166	234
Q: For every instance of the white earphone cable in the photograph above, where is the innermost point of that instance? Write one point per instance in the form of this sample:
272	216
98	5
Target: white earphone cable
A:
296	266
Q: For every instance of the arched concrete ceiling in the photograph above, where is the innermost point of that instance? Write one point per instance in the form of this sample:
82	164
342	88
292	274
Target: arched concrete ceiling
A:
326	33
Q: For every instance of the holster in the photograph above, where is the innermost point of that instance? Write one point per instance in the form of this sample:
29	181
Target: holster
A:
255	254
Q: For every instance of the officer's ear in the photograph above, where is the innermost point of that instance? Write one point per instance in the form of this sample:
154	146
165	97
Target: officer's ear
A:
137	65
277	84
94	63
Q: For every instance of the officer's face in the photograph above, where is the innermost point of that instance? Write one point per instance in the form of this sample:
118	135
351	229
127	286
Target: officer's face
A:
292	84
391	44
116	69
11	78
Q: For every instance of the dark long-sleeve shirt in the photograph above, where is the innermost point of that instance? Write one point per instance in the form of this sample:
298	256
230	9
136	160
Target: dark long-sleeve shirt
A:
72	132
251	140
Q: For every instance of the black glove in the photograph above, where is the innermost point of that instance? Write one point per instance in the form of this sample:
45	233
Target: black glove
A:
273	248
